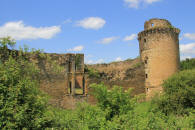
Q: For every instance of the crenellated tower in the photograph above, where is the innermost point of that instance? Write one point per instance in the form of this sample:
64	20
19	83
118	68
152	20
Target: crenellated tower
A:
159	51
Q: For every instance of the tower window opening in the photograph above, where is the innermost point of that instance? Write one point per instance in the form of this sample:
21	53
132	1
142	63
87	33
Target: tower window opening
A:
70	87
147	89
83	85
69	67
152	25
146	75
146	61
144	40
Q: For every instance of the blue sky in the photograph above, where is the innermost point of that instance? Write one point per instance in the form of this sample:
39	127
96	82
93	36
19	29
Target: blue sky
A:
104	30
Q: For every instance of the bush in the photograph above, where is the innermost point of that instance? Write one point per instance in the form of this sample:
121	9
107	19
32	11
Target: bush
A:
137	65
22	105
179	93
92	73
116	110
114	101
187	64
85	117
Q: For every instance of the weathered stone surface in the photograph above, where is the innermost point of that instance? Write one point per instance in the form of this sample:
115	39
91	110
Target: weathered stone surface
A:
159	51
127	74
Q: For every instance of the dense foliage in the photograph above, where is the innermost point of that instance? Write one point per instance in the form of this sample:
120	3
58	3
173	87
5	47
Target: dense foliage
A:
117	109
92	72
22	104
187	64
179	93
115	101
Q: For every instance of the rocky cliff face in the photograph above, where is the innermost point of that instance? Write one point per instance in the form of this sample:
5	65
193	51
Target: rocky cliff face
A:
128	74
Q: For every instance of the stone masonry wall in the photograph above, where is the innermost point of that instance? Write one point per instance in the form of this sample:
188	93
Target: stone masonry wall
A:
159	50
56	84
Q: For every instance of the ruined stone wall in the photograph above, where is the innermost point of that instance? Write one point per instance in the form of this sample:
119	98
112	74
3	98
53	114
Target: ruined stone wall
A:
159	50
127	74
75	76
56	84
80	77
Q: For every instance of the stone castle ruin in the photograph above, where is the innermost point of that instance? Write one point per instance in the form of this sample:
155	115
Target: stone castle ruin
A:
75	76
159	51
68	86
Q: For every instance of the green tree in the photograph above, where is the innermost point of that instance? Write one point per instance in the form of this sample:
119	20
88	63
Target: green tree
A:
7	42
22	105
115	101
187	64
179	93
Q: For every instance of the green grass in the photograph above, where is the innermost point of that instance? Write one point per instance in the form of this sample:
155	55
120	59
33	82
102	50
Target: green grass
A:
77	90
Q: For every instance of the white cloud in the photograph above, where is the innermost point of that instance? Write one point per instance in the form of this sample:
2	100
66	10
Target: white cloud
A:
187	51
151	1
130	37
91	23
132	3
19	31
89	56
118	59
185	57
77	48
99	61
67	21
187	48
89	62
107	40
190	36
137	3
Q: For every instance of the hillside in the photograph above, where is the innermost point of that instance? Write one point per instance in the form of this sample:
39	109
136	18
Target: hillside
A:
128	74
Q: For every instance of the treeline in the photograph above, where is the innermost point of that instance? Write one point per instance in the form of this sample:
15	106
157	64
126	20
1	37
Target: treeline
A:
187	64
24	106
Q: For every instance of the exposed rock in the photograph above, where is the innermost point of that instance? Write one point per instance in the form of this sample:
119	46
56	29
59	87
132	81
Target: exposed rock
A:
128	74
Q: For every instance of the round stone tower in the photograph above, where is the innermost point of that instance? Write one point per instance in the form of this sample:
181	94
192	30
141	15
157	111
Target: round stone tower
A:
159	51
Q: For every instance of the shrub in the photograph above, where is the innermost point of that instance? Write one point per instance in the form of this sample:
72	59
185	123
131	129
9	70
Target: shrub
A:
84	117
22	105
187	64
179	93
114	101
116	110
137	65
92	73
